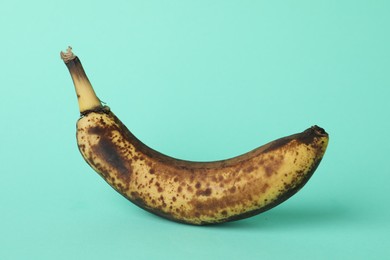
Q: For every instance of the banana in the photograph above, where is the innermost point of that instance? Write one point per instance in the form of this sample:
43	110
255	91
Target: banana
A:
197	193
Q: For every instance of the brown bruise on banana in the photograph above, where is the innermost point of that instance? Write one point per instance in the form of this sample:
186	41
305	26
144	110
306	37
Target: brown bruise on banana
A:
198	192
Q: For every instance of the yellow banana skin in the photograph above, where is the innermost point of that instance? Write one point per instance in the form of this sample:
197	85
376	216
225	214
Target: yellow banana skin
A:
197	193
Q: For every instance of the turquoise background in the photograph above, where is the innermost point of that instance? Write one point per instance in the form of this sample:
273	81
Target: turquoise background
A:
197	80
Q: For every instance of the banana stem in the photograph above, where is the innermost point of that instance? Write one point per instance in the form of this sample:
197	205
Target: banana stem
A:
86	96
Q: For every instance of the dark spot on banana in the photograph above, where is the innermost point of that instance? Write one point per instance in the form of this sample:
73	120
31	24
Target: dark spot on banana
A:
108	152
288	186
148	163
271	166
189	188
139	201
151	171
102	122
212	205
232	189
82	147
206	192
179	189
97	130
249	169
268	170
265	187
198	185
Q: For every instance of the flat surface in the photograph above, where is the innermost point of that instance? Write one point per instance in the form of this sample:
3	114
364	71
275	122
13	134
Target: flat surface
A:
197	80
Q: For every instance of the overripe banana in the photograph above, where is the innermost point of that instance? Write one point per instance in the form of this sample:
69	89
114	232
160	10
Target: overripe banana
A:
190	192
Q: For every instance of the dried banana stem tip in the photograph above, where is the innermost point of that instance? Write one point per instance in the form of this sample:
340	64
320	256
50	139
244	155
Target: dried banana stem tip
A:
86	96
68	55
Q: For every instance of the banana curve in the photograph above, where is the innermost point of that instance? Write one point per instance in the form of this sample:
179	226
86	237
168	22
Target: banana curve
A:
197	193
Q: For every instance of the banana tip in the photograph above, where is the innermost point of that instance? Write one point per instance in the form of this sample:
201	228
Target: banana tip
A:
318	130
68	55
